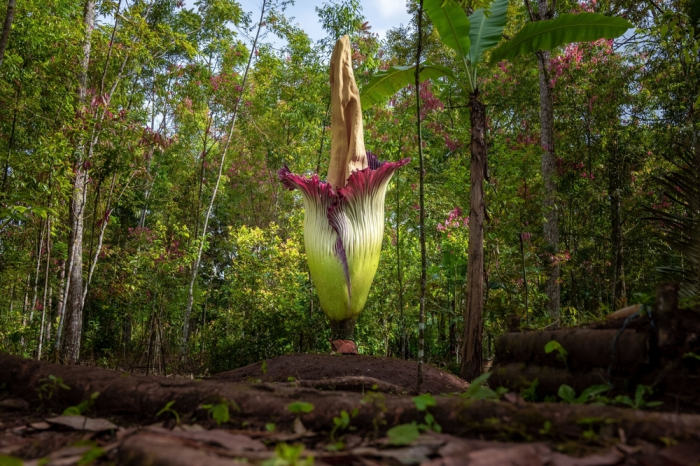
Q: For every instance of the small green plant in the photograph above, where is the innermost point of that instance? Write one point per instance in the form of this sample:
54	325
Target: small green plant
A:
220	411
589	434
530	393
547	429
263	367
568	394
289	455
562	354
50	386
341	423
270	427
638	402
691	356
403	434
168	408
422	403
477	390
300	407
82	407
91	455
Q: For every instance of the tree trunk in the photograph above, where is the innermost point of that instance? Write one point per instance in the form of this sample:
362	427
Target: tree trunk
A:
69	351
59	297
5	37
618	290
36	275
46	286
549	201
472	349
423	258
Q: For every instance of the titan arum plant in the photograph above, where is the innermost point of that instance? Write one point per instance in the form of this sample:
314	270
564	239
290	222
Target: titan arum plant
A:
344	216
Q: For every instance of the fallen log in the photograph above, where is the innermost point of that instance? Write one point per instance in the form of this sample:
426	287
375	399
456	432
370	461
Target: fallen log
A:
586	349
518	377
142	397
659	347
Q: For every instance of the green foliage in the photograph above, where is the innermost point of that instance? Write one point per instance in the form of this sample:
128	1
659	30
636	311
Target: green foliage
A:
451	23
565	29
50	386
486	29
220	411
554	345
387	83
477	390
83	406
342	423
6	460
423	401
300	407
91	455
168	409
638	403
403	434
530	393
568	394
289	455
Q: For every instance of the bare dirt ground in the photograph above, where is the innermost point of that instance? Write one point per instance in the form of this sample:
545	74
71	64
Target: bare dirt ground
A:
347	372
142	420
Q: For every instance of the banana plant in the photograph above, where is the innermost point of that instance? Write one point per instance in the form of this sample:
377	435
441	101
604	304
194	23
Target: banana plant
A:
471	38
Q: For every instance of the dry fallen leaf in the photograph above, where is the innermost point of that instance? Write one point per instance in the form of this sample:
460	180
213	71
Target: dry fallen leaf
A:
222	438
82	423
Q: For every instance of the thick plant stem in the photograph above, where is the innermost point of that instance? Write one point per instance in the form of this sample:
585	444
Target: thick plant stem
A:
343	329
195	266
423	259
472	350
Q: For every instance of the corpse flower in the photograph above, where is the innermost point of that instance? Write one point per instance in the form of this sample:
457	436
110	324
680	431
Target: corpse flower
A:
344	217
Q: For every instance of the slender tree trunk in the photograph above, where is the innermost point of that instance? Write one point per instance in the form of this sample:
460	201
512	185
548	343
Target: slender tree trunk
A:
36	276
549	202
46	286
423	258
195	266
5	37
22	341
472	347
73	314
616	226
60	301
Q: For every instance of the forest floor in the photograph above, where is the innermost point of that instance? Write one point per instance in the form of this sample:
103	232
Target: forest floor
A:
299	409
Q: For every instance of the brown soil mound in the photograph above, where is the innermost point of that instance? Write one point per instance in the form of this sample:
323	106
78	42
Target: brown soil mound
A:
354	373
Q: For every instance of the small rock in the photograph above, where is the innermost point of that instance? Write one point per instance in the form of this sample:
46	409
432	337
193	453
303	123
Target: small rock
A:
14	403
41	425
